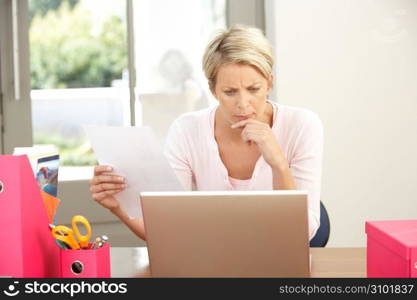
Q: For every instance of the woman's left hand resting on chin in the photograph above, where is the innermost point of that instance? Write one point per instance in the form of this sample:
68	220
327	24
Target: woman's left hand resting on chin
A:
261	134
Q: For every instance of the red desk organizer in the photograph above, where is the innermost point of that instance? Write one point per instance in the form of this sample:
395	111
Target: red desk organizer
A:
27	248
94	263
391	248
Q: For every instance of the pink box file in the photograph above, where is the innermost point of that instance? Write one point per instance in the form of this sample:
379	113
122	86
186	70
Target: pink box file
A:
27	248
93	263
391	248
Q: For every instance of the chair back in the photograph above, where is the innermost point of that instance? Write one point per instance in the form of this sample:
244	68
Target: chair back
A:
322	235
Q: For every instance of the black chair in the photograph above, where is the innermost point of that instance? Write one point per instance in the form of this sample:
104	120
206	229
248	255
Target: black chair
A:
322	235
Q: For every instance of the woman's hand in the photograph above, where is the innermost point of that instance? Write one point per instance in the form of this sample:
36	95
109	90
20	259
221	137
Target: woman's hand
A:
261	134
104	186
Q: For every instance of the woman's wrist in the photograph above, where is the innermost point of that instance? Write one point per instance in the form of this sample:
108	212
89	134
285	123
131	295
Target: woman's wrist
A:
282	177
278	161
117	211
280	166
135	225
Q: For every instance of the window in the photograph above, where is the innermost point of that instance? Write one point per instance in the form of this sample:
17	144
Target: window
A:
78	52
170	39
79	68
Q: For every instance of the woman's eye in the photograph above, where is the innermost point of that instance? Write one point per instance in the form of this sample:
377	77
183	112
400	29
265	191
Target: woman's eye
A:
254	89
229	92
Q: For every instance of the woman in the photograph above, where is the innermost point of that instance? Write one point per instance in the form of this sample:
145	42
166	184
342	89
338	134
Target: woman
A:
244	143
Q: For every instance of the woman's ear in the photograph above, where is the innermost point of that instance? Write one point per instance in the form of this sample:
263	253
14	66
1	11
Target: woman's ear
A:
270	83
212	89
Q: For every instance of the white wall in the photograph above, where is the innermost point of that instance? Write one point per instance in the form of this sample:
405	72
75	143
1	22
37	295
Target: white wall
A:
354	62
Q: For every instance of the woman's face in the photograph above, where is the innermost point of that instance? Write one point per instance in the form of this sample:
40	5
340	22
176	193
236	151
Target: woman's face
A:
241	91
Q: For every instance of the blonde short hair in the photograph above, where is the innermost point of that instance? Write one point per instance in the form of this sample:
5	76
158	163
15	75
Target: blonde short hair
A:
238	44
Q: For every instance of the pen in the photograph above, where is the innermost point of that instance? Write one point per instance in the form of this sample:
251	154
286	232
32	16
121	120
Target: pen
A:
62	245
100	241
96	242
104	238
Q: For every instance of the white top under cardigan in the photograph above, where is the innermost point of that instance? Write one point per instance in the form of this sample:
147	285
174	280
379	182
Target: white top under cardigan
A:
193	153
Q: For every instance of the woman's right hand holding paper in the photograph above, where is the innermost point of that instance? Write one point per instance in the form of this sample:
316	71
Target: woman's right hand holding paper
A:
104	185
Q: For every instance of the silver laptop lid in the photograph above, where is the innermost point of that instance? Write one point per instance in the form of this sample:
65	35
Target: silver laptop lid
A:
227	233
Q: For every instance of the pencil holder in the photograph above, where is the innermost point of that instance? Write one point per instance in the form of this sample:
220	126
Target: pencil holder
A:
86	263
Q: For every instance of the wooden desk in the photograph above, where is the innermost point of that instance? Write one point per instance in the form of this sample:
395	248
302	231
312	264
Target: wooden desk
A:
326	262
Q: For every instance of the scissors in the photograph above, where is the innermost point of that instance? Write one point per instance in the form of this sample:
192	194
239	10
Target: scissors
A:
68	236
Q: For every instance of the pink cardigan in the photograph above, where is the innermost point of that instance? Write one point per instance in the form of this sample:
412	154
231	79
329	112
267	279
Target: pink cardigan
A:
192	152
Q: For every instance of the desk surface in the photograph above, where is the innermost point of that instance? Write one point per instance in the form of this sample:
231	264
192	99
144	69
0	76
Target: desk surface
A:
326	262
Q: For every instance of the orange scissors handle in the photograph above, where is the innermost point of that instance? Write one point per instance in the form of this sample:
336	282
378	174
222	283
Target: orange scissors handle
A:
66	235
83	239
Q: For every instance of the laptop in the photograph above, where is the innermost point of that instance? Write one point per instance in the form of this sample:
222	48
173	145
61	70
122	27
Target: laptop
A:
227	233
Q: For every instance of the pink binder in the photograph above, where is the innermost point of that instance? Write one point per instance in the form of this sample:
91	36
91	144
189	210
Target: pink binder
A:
27	248
391	248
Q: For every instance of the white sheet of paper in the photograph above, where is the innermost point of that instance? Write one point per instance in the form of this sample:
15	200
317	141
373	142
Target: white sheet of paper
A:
135	154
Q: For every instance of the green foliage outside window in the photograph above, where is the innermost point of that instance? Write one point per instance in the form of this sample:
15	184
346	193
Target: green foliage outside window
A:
68	52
